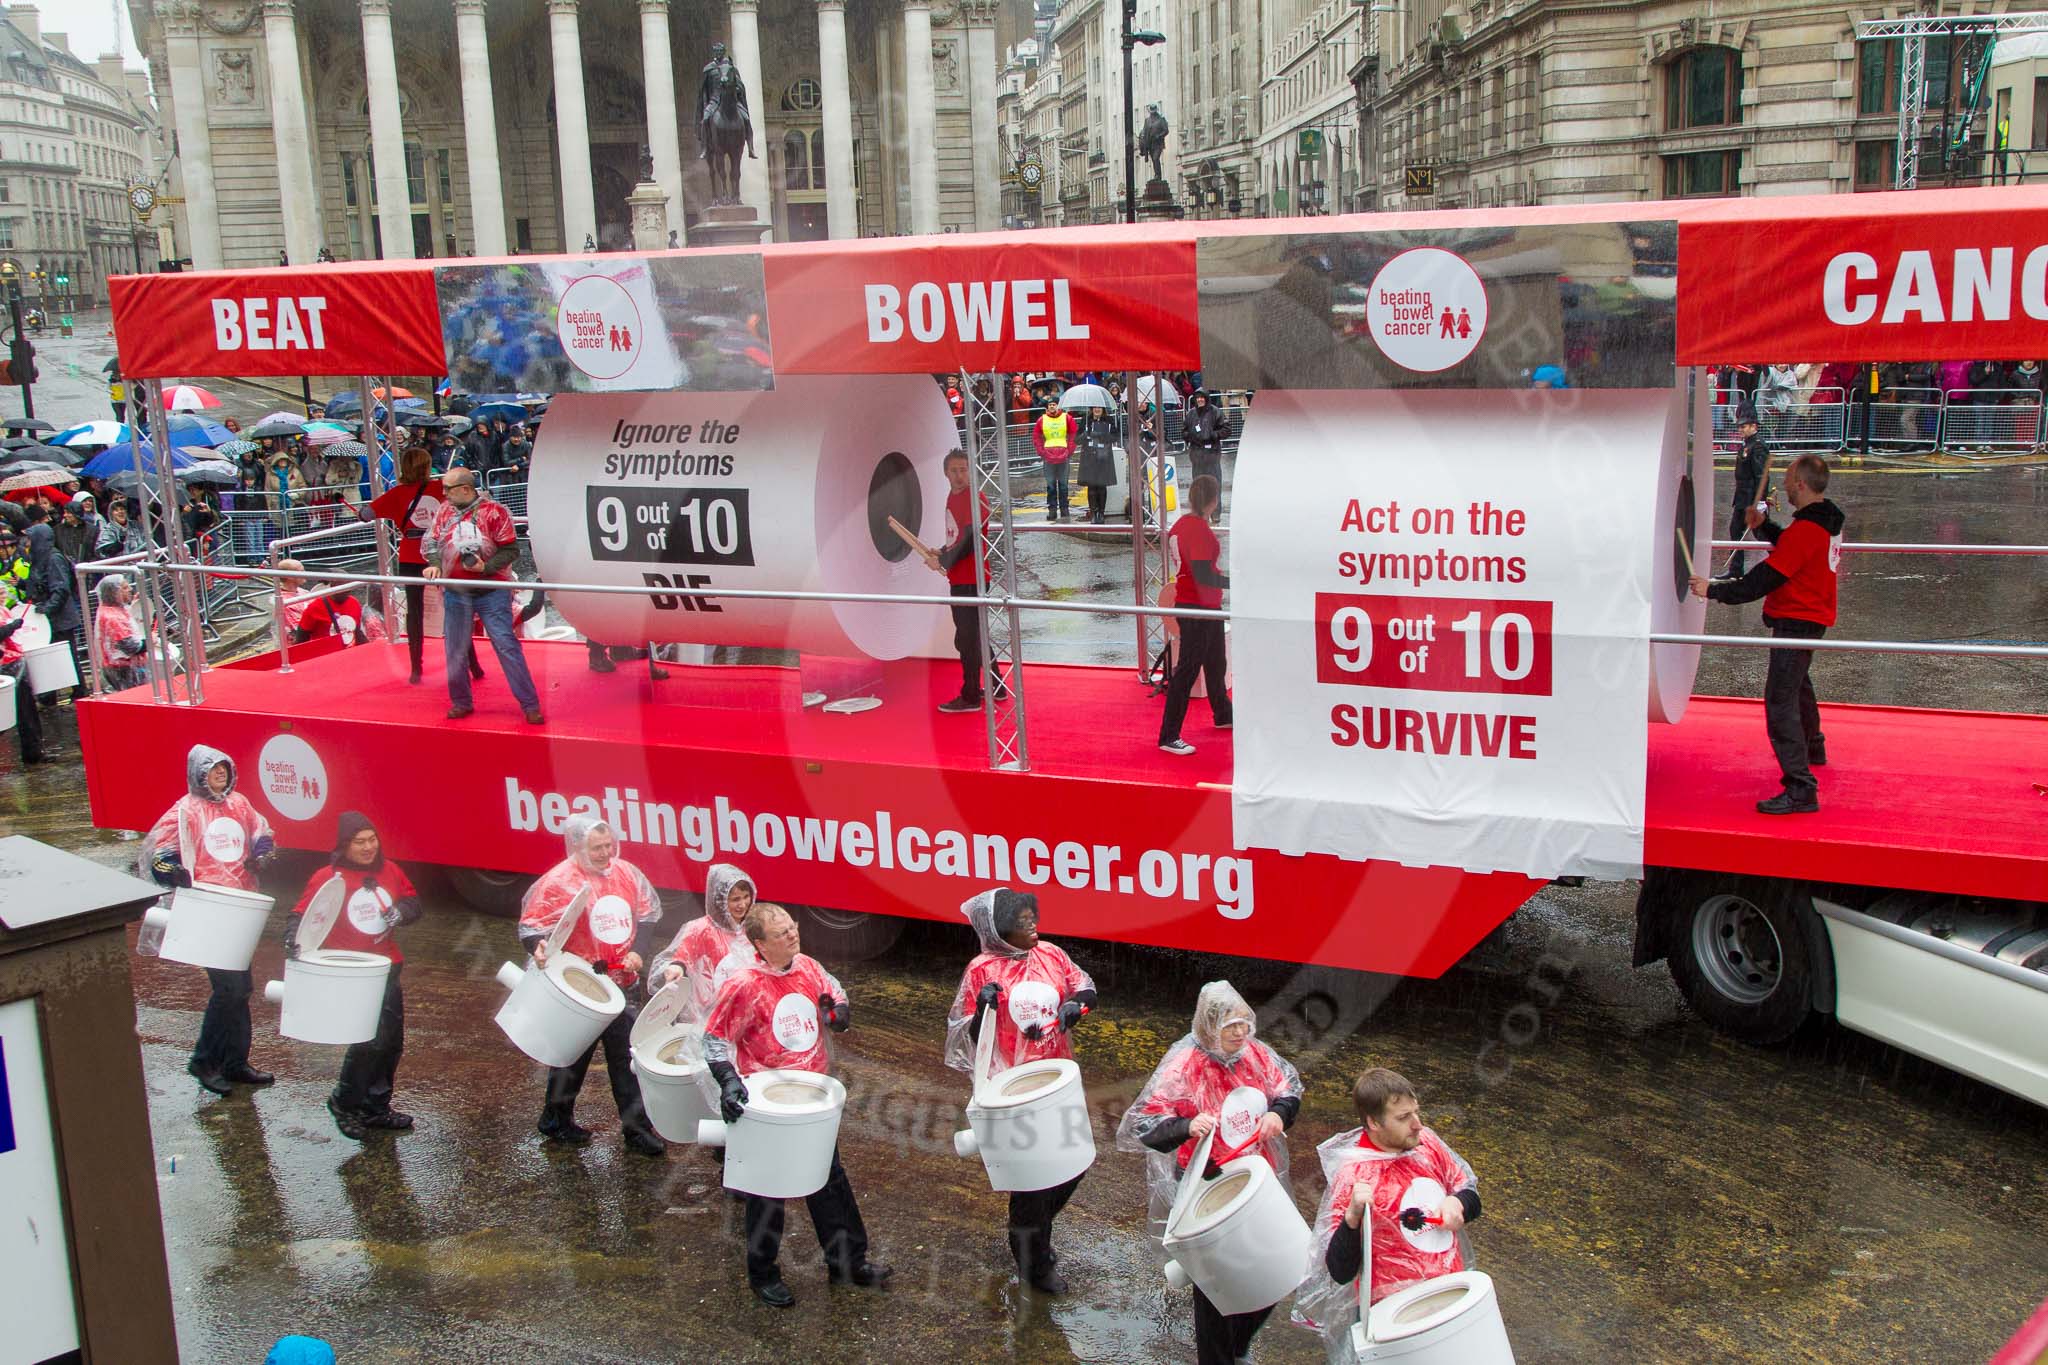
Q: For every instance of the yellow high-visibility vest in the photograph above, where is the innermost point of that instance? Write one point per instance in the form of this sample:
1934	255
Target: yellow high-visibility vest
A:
1054	429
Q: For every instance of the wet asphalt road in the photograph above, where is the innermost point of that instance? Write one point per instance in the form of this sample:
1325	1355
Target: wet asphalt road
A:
1654	1192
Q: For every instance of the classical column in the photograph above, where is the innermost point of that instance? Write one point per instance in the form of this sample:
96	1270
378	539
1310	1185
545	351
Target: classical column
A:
980	17
387	133
745	50
288	130
195	142
480	129
572	127
658	64
923	109
840	209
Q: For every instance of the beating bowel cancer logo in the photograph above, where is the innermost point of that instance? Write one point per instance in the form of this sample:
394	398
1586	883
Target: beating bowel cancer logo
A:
293	778
600	326
1427	310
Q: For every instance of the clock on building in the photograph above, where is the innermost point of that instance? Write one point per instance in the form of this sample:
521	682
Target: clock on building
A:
143	198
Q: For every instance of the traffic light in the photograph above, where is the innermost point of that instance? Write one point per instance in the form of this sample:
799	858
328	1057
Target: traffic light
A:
63	280
21	361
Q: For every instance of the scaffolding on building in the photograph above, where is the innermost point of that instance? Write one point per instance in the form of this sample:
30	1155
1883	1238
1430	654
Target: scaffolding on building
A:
1912	31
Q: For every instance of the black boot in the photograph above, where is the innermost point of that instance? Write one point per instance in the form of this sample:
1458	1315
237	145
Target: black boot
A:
241	1073
351	1125
210	1080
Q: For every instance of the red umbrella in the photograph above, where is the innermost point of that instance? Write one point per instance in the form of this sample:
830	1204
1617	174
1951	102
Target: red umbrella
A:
188	398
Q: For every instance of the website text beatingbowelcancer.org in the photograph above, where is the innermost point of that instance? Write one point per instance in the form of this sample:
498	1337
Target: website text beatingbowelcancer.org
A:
705	833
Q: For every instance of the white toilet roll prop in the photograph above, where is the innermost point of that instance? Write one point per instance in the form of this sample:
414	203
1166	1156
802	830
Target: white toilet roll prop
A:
668	1057
330	995
1238	1236
1451	1320
1440	634
7	716
781	1148
1029	1123
557	1010
789	490
210	926
1680	548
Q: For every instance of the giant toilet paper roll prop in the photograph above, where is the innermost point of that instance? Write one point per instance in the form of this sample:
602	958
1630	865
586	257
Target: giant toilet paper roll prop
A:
558	1010
1029	1123
1451	1320
789	490
1681	547
1238	1236
211	926
668	1057
331	995
781	1148
7	714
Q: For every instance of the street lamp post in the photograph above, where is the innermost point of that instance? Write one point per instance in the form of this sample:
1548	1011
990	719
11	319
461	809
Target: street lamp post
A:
1132	38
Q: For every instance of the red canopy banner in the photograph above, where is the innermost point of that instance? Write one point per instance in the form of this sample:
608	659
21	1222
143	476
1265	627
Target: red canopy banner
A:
374	318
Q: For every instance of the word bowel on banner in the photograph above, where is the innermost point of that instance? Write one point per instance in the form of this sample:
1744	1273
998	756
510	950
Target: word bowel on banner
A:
1438	626
877	839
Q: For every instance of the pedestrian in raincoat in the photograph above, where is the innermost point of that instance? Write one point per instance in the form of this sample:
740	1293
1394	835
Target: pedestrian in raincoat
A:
51	586
773	1011
621	899
1219	1076
119	533
212	836
1205	427
14	609
377	898
706	941
1392	1180
1097	439
1038	995
116	638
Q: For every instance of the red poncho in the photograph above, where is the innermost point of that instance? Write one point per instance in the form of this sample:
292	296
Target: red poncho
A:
770	1020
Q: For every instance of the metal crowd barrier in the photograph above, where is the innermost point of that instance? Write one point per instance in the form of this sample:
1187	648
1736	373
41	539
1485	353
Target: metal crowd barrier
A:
1990	420
1959	421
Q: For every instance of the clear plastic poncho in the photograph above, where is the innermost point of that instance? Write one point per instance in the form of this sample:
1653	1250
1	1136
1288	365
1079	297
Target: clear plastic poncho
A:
765	1019
1033	985
706	941
1197	1077
1394	1256
214	836
621	899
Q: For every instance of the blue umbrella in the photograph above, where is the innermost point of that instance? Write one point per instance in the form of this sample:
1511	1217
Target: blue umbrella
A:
116	458
188	430
499	412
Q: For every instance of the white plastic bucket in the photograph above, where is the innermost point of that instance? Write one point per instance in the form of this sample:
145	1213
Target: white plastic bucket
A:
211	926
330	995
50	668
556	1012
7	716
1030	1126
1238	1236
781	1148
1451	1320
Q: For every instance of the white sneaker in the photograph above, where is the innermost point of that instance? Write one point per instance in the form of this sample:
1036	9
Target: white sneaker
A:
1179	747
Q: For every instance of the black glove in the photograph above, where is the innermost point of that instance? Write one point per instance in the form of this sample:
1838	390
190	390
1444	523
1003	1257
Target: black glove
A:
732	1092
291	937
838	1014
8	629
988	997
166	868
1070	1014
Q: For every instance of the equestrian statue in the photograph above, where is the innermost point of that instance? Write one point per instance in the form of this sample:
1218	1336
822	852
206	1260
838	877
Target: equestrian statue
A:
724	125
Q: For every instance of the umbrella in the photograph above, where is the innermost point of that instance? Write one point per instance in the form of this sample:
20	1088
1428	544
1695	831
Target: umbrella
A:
424	421
277	424
218	472
325	433
344	450
1081	397
101	433
17	442
117	458
187	430
457	426
393	392
499	412
112	367
47	478
188	398
26	424
58	457
235	450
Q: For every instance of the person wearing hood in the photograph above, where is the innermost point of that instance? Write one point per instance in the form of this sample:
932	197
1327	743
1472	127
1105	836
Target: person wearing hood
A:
51	587
1797	583
1037	995
773	1010
78	528
212	836
119	533
1218	1079
1205	427
1393	1186
621	900
14	610
704	943
377	897
116	638
1096	437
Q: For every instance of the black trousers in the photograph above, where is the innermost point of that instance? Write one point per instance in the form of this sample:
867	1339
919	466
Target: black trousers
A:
566	1082
368	1069
1201	652
1031	1215
1791	715
1208	460
1738	526
28	715
1224	1338
835	1217
967	641
415	619
1098	499
224	1030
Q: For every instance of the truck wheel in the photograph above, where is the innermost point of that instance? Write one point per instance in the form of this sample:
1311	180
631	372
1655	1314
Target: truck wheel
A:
1740	956
846	935
494	893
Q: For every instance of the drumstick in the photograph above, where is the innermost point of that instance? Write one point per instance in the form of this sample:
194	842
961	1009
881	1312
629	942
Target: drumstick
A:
1685	550
910	538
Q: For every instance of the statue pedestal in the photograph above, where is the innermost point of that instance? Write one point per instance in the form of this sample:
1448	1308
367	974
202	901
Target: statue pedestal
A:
1157	201
728	225
647	205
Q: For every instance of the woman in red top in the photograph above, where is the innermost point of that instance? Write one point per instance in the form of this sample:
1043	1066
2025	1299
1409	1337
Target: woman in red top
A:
1199	584
410	505
378	897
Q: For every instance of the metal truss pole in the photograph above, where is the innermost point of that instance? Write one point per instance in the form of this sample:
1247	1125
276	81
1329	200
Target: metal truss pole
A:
995	573
186	589
1151	543
1912	99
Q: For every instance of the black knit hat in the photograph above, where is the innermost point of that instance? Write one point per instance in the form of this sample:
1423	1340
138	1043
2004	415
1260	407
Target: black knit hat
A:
346	829
1009	906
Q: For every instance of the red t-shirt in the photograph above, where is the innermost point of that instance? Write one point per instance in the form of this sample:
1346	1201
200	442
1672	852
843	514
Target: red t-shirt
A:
1194	539
1808	557
390	506
360	926
956	518
341	616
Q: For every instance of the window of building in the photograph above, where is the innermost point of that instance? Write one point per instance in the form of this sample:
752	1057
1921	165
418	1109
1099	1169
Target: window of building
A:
1701	173
1703	89
1875	163
2040	141
1877	73
6	232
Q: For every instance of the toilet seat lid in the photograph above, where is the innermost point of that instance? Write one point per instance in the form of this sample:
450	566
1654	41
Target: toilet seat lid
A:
658	1016
1429	1305
1028	1083
1215	1201
791	1094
